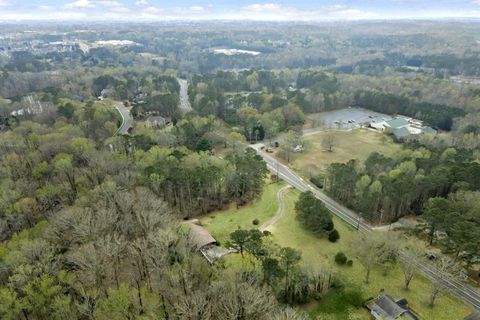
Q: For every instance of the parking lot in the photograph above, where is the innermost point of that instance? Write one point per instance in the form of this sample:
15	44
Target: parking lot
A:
348	118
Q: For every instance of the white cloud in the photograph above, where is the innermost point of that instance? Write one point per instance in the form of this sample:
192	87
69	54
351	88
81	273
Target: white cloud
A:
142	10
80	4
273	11
258	7
46	8
152	10
53	15
197	9
110	4
190	10
113	6
150	13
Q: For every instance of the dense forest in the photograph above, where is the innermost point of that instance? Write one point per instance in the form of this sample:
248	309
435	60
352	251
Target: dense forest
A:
436	184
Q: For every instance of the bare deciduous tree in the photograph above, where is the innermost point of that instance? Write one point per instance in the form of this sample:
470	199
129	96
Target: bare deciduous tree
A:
411	254
329	142
445	269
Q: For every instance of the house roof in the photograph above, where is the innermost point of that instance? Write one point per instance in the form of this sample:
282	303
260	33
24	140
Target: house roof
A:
199	237
401	133
378	125
156	118
397	123
388	309
428	130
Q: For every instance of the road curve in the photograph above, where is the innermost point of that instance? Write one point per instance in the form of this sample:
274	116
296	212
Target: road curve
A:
280	210
127	118
458	288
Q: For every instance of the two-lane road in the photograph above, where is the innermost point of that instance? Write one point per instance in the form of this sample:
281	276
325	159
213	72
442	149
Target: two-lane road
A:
127	118
185	105
460	289
296	181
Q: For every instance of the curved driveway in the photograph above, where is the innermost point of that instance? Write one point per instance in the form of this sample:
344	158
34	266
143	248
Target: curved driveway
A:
280	210
458	288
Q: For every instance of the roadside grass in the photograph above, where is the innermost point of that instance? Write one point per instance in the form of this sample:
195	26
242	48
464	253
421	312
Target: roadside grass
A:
319	254
222	223
355	144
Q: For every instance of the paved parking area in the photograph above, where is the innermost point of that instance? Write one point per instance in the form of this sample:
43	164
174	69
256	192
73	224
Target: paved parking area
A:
348	118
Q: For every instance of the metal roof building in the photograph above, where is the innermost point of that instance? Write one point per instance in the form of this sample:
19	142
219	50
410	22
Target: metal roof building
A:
387	308
397	123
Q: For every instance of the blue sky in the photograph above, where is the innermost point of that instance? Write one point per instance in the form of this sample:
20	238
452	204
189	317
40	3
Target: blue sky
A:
281	10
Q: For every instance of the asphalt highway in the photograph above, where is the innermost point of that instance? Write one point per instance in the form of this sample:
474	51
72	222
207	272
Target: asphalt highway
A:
458	288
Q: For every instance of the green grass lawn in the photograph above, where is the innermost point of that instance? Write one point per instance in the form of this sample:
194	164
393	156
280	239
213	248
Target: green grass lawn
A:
319	253
355	144
222	223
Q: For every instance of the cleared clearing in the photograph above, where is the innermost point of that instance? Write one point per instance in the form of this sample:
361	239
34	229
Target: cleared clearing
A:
222	223
355	144
319	253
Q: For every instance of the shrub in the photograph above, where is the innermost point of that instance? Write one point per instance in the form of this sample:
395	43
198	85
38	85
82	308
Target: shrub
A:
256	222
333	236
336	284
317	181
313	214
341	258
353	297
349	263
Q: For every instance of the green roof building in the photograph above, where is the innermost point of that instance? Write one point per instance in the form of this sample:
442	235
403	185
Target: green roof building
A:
402	133
397	123
428	130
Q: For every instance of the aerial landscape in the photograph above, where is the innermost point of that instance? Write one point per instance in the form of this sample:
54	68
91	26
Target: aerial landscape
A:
234	160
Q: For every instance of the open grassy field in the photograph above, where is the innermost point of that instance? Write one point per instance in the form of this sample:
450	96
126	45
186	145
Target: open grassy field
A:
222	223
319	253
355	144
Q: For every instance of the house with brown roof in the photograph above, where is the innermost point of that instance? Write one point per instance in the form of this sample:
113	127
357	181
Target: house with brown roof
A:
200	239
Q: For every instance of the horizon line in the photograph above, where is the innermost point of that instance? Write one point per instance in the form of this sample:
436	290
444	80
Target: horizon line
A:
300	21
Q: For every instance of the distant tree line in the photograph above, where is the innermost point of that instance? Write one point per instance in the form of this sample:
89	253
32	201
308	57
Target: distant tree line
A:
438	185
384	188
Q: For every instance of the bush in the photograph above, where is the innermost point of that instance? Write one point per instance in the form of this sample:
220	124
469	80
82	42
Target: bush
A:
336	284
341	258
353	297
349	263
256	222
333	236
313	214
317	181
